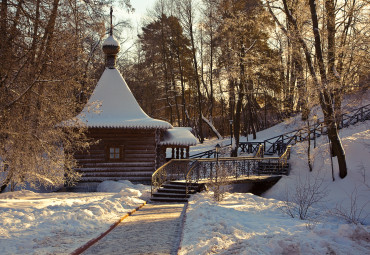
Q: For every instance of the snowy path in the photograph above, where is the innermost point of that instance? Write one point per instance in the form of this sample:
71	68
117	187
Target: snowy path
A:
154	229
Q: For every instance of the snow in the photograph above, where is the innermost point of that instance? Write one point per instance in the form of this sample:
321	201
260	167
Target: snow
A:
59	223
350	193
209	144
179	136
210	124
111	41
113	105
247	224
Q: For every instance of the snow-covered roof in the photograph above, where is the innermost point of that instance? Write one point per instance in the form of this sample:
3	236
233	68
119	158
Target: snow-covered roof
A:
179	136
110	41
118	106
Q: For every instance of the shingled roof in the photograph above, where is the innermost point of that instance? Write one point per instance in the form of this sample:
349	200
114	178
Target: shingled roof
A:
118	107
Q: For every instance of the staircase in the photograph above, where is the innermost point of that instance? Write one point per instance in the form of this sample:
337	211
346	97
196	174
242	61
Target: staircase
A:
175	191
278	144
167	188
268	168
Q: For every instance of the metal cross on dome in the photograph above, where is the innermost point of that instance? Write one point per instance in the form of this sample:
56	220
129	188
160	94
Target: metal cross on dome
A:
111	23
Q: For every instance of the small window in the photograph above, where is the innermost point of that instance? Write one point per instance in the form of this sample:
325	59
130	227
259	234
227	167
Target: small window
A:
114	153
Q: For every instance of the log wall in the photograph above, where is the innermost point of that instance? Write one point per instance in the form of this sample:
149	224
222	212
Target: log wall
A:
138	161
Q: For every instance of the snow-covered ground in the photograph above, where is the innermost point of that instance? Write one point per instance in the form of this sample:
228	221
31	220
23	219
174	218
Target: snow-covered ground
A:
247	224
59	223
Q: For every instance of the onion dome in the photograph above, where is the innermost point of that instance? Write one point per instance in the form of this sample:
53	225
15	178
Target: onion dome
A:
111	48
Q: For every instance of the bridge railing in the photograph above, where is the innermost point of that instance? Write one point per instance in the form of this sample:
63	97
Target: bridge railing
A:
248	147
192	170
235	167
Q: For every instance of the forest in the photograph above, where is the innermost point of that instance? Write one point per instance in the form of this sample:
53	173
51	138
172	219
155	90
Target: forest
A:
222	67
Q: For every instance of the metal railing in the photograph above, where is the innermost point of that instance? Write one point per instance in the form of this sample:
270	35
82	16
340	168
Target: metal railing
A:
186	169
175	169
250	147
206	154
207	169
193	170
278	144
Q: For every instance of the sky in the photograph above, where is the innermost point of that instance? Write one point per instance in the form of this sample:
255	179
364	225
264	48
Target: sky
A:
141	7
135	19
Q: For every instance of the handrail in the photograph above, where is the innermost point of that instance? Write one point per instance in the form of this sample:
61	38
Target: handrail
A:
294	134
174	169
260	152
346	120
285	156
207	153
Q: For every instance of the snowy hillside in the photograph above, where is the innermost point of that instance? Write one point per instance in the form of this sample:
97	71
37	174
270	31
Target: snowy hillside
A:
356	142
350	102
248	224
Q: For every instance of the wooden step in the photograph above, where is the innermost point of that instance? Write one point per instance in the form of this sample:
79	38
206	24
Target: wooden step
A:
173	195
270	163
129	178
116	174
177	182
179	191
173	186
113	164
272	167
190	186
273	172
116	169
169	199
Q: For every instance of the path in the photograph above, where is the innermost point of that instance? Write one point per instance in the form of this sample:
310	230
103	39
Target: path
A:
154	229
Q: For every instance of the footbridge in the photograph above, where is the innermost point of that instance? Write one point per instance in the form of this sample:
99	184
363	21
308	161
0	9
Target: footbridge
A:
179	178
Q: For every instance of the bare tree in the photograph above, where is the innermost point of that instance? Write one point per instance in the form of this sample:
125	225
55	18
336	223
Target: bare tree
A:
300	200
47	50
187	14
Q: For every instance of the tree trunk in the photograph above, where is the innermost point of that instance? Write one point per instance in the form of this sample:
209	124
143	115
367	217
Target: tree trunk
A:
309	146
250	116
6	181
326	101
234	151
231	99
196	76
302	87
4	52
333	76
